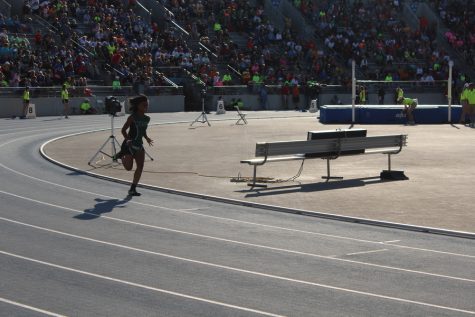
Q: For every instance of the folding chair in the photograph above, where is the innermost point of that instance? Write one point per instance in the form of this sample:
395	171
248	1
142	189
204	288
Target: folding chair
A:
242	116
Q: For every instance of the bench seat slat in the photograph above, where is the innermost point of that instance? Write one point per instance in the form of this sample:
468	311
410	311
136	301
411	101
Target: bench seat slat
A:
328	145
257	161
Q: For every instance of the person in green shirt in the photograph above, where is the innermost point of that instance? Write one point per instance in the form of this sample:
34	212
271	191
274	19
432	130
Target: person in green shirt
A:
227	79
116	84
65	100
256	79
86	107
134	131
409	106
362	95
26	102
389	77
471	103
240	104
398	93
464	103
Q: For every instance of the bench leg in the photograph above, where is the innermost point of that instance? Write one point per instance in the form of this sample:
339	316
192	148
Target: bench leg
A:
328	177
254	180
389	174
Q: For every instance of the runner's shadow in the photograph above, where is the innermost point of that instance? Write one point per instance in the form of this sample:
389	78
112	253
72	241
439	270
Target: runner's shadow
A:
101	207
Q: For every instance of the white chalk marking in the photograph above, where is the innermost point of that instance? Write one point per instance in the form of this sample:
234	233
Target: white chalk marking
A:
38	310
366	252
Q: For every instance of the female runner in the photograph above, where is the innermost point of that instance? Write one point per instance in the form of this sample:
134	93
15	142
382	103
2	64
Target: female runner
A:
132	147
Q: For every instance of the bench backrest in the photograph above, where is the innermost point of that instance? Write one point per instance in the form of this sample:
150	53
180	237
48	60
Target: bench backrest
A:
330	146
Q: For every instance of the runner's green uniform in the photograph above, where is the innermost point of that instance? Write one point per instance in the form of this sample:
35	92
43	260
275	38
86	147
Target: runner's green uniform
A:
137	131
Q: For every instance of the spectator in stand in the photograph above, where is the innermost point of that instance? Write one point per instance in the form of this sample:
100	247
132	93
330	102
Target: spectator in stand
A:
381	94
263	97
116	85
296	97
335	100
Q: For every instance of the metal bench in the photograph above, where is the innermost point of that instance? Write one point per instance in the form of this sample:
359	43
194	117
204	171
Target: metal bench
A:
328	149
241	115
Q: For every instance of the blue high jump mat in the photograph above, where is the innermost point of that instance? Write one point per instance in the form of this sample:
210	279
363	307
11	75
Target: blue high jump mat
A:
387	114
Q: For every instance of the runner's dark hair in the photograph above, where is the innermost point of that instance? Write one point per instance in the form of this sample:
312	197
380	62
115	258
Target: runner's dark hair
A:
135	101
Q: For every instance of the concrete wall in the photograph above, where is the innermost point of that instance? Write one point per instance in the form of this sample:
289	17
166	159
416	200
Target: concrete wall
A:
168	103
53	106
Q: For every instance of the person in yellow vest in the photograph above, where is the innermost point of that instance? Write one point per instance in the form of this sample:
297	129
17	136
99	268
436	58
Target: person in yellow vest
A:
409	106
65	100
464	103
398	93
26	102
471	103
362	95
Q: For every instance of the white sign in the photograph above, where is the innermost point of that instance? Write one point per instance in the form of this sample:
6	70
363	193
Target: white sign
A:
220	108
31	112
122	110
313	106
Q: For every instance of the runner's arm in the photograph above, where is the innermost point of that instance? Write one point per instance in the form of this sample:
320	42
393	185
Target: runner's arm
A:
125	127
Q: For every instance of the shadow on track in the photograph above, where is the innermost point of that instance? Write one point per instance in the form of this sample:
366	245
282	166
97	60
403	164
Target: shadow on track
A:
316	187
101	207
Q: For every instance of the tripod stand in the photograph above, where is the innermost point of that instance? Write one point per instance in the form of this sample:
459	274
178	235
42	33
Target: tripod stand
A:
113	142
202	118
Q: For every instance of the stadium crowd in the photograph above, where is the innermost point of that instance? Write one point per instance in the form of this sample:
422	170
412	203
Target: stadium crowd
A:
92	37
459	17
375	36
268	54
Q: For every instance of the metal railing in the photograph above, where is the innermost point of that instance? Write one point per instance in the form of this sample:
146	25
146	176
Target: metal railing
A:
5	8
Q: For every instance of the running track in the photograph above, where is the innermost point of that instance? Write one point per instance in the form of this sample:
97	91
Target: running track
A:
73	245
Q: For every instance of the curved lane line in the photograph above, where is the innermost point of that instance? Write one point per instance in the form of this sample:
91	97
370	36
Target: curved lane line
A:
247	244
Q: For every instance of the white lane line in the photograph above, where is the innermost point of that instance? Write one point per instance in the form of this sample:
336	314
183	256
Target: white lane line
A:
366	252
87	192
38	310
243	243
188	212
142	286
69	128
397	299
392	241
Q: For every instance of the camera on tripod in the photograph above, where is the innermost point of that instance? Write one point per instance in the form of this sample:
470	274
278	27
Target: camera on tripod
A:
112	105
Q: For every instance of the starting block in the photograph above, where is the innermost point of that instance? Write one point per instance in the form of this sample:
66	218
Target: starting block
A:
31	111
